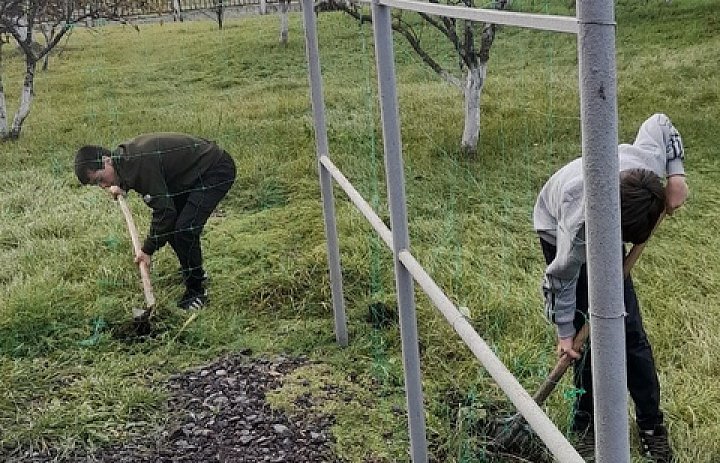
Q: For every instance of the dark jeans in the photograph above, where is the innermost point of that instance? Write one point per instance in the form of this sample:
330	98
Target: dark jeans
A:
642	377
194	208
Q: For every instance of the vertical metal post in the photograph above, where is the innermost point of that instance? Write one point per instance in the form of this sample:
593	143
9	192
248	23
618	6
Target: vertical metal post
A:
398	220
326	187
598	106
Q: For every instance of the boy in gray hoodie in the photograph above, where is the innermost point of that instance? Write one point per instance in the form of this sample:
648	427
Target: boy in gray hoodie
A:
652	179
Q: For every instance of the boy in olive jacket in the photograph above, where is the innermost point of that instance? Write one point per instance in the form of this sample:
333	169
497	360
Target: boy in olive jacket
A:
182	178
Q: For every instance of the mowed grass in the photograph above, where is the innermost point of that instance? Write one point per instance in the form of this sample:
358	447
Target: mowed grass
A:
73	376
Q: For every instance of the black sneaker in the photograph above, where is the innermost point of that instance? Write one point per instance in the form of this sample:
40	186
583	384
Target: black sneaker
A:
193	299
656	444
585	444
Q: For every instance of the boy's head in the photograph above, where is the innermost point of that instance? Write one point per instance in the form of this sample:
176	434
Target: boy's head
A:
94	166
642	201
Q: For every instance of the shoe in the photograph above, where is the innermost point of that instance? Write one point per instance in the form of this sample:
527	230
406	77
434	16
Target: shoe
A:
585	444
656	444
193	299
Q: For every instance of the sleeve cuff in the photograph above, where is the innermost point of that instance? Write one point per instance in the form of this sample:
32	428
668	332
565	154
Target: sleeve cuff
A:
675	167
148	247
566	330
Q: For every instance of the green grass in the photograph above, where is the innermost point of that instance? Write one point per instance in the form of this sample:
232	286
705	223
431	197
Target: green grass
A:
67	257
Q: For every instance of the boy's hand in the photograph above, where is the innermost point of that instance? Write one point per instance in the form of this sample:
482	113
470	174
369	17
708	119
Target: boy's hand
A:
116	191
142	257
676	192
565	347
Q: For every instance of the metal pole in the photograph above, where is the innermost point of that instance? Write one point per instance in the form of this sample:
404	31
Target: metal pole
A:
326	187
398	221
598	106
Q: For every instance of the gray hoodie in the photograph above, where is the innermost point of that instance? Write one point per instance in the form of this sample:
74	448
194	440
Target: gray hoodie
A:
559	215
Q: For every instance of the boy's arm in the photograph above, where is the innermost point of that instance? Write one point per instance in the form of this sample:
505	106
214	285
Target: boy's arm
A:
153	188
670	152
676	189
676	193
560	282
163	222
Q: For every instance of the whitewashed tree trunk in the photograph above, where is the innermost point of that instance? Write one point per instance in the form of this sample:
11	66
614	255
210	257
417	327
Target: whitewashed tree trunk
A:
284	23
89	21
25	100
177	11
473	89
3	108
22	28
263	6
3	114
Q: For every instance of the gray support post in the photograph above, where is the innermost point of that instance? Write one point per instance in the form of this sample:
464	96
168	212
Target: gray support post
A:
398	220
326	188
598	106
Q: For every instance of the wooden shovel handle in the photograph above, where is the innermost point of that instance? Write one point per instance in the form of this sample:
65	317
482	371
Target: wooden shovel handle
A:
144	271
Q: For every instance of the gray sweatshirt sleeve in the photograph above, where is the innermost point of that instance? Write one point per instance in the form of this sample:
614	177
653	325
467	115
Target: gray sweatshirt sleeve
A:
658	146
561	276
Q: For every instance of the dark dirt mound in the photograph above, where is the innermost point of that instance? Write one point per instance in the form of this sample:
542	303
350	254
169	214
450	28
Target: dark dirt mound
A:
222	416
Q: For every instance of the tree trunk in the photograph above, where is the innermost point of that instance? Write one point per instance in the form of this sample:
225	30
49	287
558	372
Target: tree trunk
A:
263	6
25	100
177	11
473	90
220	12
49	33
284	23
3	108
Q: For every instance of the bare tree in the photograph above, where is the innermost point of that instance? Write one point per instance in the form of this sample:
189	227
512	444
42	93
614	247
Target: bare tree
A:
471	41
19	19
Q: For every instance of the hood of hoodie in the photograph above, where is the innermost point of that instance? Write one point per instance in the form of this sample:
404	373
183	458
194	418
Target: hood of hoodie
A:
657	146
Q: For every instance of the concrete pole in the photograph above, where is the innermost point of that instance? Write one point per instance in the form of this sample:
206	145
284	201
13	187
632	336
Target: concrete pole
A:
395	175
326	187
598	107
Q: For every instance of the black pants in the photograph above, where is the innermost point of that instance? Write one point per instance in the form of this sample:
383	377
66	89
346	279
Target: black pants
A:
642	377
194	208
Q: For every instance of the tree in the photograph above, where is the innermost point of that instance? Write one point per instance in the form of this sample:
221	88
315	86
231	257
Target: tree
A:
219	12
19	19
471	41
177	11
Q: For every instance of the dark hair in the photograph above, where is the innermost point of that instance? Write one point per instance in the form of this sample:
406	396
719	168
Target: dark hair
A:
89	159
642	201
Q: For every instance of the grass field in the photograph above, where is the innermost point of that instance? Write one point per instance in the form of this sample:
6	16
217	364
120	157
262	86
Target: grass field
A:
71	379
